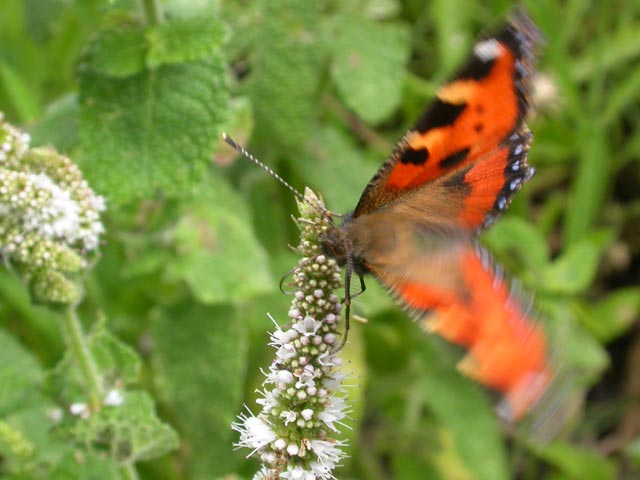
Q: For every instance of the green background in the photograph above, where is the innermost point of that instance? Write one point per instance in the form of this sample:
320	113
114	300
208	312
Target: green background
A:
138	93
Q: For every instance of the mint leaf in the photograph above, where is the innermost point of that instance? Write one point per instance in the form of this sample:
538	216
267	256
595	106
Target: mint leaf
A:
573	271
84	466
286	77
614	315
116	361
185	40
59	125
155	129
584	356
130	432
514	235
364	50
117	51
200	361
16	450
332	150
239	126
218	255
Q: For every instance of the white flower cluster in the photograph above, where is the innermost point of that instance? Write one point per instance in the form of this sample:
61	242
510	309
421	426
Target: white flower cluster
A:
49	216
302	399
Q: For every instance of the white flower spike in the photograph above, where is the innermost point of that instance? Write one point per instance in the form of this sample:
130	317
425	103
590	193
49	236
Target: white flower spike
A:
302	394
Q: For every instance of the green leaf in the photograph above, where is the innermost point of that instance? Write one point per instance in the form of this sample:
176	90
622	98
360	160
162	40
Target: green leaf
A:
191	8
447	459
239	126
59	124
41	17
585	357
578	464
623	97
41	325
130	432
619	48
116	361
380	9
464	412
163	122
185	40
19	374
364	50
116	51
287	70
341	186
513	234
573	271
78	465
218	255
32	448
21	96
16	450
451	19
200	362
614	315
155	130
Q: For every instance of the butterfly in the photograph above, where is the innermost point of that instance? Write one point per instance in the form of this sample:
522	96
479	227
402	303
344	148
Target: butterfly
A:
415	226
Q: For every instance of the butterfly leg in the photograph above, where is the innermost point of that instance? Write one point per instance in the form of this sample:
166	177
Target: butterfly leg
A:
284	278
347	301
363	287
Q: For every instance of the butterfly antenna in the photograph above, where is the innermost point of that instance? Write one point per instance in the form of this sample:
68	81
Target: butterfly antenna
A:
241	150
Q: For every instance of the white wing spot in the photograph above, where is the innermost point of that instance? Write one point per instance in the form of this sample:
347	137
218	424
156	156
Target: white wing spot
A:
488	50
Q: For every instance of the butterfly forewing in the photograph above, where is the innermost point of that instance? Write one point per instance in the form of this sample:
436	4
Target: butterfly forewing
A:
475	115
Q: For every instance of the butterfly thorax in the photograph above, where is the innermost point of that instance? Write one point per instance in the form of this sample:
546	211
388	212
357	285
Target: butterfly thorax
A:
338	243
335	241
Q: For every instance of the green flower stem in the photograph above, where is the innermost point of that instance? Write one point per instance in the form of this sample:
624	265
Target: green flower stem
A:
151	11
77	342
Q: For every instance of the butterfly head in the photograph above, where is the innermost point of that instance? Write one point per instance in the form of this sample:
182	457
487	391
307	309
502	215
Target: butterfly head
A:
335	241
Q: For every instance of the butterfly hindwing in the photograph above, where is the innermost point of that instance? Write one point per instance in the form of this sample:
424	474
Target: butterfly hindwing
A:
476	117
449	285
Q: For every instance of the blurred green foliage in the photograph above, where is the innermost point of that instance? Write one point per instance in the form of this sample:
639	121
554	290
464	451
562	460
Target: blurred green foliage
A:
138	94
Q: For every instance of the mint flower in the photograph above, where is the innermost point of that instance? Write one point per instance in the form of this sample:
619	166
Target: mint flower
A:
49	216
302	398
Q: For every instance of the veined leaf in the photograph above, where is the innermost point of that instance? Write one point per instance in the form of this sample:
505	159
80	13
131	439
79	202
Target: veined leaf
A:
149	129
364	50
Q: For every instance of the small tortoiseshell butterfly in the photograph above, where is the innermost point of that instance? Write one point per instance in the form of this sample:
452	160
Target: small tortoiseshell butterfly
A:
451	176
415	226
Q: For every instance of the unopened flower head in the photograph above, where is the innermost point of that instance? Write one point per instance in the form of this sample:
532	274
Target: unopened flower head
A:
302	398
49	216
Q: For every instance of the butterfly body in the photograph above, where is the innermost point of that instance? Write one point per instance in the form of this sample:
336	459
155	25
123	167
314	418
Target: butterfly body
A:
415	226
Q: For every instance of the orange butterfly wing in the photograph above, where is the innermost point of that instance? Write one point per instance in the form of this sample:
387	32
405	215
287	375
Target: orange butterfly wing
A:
447	283
476	126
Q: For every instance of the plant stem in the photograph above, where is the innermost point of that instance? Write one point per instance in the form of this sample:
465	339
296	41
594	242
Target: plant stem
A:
77	342
128	472
151	11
